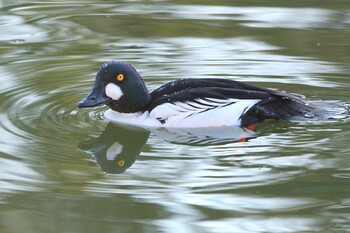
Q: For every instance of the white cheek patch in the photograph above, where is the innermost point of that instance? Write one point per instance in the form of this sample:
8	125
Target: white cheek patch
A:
113	91
113	151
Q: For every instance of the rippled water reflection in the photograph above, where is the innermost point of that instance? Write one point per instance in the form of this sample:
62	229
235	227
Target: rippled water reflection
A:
285	177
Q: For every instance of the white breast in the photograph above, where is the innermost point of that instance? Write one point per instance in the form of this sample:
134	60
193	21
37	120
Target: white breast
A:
137	119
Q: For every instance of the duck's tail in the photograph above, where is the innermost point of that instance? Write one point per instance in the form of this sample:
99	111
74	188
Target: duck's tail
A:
318	110
301	110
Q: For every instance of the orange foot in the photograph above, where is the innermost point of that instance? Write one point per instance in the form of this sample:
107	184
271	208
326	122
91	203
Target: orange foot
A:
251	127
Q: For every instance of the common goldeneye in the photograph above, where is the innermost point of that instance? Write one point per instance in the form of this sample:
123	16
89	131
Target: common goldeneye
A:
207	102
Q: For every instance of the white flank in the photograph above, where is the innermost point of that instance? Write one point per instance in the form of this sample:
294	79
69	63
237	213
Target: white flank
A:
202	113
113	91
113	151
190	114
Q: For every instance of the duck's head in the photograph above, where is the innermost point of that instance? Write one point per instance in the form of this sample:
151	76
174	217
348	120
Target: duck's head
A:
120	87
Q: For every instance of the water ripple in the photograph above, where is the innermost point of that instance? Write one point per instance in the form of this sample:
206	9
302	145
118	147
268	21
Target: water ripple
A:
37	110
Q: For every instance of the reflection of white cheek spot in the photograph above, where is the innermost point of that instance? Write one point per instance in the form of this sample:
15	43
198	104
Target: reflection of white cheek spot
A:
113	151
113	91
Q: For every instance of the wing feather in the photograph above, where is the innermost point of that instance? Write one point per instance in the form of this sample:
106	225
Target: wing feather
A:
207	96
244	90
201	111
250	103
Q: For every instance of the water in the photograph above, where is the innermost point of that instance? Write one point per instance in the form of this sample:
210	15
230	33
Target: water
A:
61	169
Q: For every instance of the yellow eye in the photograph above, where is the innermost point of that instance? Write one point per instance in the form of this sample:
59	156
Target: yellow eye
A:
120	77
121	163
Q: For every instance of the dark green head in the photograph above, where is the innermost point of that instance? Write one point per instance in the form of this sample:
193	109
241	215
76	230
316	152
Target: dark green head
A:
120	87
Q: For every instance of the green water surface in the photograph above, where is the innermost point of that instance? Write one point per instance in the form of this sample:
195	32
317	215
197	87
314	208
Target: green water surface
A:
60	168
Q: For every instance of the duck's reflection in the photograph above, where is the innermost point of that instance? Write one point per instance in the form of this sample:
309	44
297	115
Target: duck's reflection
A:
204	136
118	146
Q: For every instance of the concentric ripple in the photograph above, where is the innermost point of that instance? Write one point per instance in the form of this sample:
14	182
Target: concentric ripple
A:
50	112
38	109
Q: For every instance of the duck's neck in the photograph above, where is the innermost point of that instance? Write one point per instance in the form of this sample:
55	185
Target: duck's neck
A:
135	100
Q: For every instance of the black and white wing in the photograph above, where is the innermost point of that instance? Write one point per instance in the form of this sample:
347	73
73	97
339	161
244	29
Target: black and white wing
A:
208	102
221	102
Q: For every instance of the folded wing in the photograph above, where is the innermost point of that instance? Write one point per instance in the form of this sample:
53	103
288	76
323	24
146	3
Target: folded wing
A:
230	102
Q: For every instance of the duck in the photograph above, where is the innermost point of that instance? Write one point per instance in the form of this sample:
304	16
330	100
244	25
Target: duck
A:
193	102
